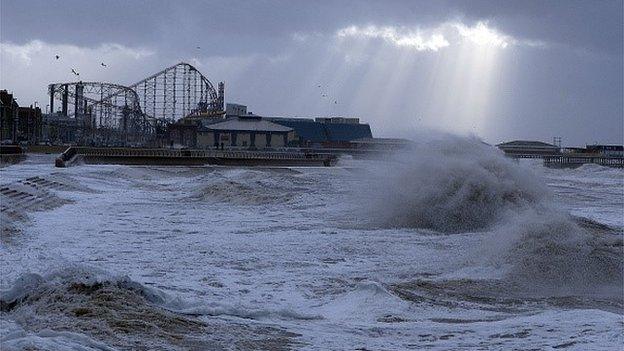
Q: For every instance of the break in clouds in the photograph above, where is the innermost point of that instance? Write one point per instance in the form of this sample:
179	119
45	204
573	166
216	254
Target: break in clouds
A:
393	76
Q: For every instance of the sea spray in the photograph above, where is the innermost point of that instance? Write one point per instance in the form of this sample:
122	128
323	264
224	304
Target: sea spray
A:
460	185
85	305
452	185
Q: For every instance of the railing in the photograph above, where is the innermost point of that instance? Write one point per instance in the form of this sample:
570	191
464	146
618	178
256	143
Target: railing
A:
92	151
72	152
575	161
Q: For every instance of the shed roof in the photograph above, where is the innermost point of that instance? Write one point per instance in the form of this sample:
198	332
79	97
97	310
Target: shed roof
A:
527	143
248	124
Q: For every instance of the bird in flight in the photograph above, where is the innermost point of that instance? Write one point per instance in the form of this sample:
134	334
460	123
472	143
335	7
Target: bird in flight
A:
198	48
103	64
57	57
74	72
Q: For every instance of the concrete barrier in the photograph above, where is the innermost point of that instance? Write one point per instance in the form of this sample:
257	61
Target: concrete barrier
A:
10	154
46	149
140	156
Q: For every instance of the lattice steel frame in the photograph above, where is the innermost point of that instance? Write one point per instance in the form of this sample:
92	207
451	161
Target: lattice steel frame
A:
134	112
106	112
177	92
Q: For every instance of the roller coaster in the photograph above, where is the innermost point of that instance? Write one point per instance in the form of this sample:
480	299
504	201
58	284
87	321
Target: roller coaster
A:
109	113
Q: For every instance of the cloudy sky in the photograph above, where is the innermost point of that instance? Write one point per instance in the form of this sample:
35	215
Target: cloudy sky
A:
496	69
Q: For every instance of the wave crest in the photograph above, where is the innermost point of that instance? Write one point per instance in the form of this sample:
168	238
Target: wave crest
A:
449	186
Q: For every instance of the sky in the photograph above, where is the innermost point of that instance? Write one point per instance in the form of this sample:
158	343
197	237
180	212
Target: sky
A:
499	70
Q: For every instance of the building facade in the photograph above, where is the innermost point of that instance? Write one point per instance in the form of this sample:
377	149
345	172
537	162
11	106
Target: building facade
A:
249	132
331	132
8	117
19	124
29	127
235	110
183	134
60	129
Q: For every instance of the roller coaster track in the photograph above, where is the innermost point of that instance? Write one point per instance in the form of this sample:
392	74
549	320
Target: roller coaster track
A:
176	92
164	97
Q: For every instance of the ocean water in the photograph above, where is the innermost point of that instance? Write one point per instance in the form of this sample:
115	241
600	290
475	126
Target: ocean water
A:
448	246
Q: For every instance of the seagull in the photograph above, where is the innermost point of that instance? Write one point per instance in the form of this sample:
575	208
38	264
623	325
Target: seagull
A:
323	95
335	102
57	57
318	86
198	48
74	72
103	64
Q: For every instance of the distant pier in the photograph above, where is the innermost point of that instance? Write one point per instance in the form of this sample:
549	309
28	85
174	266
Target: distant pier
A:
566	161
144	156
555	156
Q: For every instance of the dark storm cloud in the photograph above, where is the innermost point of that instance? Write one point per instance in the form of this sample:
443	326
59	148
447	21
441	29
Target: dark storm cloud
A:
560	73
233	26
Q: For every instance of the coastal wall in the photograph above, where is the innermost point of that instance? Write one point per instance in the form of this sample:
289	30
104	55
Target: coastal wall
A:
131	156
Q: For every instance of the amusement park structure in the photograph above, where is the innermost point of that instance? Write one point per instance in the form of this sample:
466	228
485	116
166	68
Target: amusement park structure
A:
135	114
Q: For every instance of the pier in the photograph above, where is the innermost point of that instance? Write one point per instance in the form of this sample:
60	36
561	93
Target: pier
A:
564	161
144	156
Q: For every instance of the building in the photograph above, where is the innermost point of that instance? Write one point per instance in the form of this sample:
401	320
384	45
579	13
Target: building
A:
235	110
59	129
251	132
29	126
324	132
528	149
606	150
18	124
8	117
241	128
183	133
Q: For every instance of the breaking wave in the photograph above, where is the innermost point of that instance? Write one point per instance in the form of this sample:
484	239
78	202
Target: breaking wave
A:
459	185
85	308
248	187
450	186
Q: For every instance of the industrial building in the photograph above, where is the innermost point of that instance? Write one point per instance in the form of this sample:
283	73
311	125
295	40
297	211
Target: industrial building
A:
17	123
325	132
60	129
8	117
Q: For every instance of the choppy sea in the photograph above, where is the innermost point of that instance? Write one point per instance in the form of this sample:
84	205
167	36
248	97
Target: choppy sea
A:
449	246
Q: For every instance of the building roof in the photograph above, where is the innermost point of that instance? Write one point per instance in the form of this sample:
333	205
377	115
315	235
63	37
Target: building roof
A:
527	143
248	125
